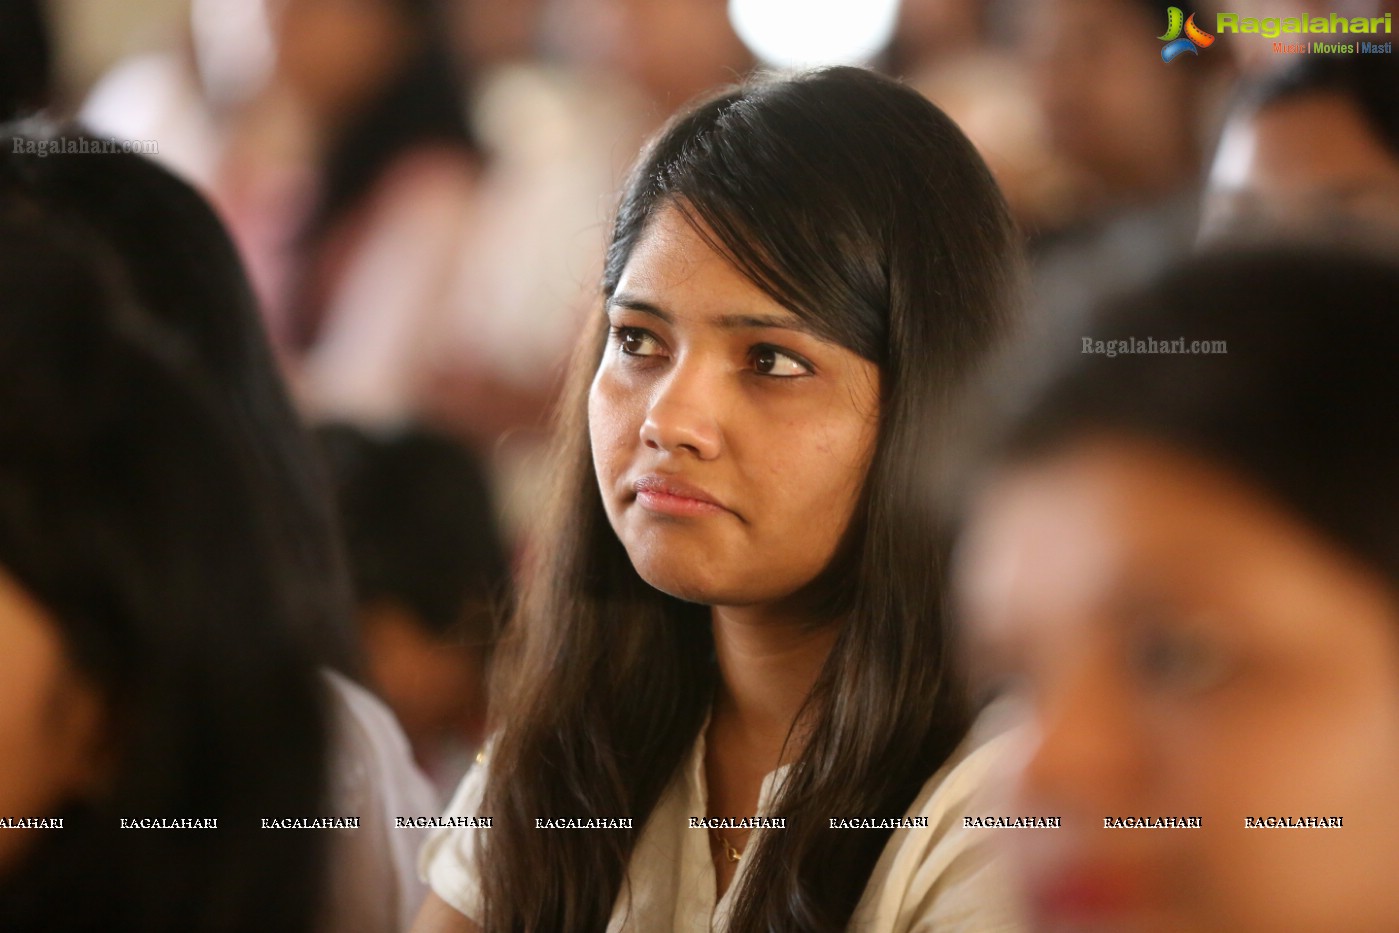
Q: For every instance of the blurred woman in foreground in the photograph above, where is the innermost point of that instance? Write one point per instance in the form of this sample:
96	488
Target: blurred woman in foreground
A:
1183	576
152	666
161	250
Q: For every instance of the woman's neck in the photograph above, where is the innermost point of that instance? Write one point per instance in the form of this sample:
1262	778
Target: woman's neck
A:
768	663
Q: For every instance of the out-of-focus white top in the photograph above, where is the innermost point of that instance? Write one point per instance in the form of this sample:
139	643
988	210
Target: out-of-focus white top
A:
373	886
940	878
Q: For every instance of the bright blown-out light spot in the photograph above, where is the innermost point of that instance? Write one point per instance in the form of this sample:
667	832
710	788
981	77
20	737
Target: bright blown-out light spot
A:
796	33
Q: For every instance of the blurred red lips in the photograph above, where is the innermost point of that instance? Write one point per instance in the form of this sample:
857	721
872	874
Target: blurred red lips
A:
1089	894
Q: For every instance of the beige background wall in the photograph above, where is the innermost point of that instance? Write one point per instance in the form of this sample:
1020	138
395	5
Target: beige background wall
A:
91	35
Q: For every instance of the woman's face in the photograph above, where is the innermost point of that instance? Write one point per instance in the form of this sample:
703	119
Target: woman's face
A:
49	719
730	442
1172	644
335	54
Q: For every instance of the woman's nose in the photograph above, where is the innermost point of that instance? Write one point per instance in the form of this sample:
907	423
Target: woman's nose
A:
1080	749
683	416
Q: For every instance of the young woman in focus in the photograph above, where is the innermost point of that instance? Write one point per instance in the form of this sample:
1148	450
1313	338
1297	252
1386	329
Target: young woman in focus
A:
736	607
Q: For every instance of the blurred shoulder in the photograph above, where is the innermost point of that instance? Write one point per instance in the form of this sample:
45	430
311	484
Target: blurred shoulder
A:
939	873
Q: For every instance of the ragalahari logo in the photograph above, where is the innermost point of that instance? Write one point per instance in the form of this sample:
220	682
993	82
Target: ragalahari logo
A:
1194	36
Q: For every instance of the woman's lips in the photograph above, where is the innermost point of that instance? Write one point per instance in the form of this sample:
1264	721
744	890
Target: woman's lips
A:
667	495
1089	894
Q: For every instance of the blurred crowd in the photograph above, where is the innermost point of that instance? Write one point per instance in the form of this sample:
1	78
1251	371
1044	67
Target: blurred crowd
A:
419	192
419	189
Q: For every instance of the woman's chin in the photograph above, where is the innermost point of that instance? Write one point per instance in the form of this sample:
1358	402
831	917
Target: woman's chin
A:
688	586
693	583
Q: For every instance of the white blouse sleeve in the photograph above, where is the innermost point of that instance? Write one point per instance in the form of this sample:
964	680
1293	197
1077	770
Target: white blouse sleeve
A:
448	860
946	878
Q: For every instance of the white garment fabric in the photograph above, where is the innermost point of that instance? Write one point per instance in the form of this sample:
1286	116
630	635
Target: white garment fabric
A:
941	878
386	313
373	885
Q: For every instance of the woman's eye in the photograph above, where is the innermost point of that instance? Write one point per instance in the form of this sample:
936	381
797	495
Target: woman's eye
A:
770	361
635	342
1180	661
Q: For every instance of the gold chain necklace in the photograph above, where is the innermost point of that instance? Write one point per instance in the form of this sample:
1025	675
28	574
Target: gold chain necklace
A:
730	852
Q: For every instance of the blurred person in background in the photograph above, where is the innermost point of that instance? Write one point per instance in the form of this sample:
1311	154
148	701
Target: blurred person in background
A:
958	54
929	32
1134	129
431	576
492	35
479	354
206	101
1311	149
1181	577
338	148
152	662
397	166
991	97
26	53
183	270
733	607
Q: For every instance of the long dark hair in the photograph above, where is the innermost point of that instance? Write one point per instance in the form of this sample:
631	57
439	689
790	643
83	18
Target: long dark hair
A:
185	271
1296	399
130	511
861	207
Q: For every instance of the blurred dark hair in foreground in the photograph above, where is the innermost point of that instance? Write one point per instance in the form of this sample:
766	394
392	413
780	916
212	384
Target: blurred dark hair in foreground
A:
132	509
181	267
26	58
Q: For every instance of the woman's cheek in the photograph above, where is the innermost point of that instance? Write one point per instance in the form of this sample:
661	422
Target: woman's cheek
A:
605	424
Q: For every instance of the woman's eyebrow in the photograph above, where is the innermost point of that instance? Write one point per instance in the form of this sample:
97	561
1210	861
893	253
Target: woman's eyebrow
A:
633	303
752	321
729	322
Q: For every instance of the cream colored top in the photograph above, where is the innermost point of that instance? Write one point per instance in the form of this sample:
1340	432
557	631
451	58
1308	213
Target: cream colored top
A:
941	878
373	888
